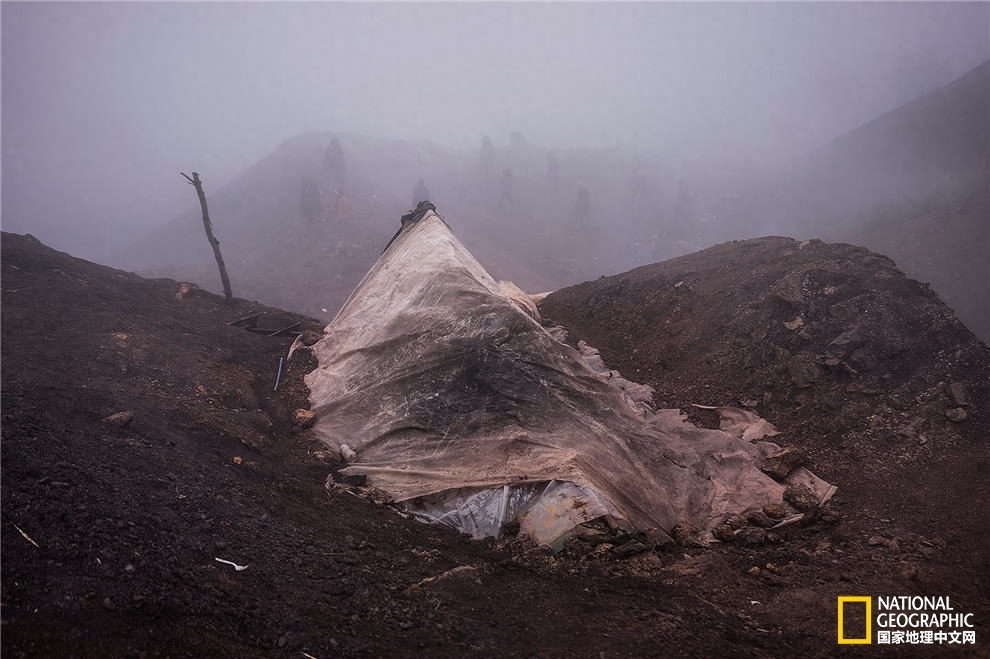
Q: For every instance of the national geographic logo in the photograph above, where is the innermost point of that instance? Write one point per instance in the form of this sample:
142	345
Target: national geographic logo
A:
903	620
863	638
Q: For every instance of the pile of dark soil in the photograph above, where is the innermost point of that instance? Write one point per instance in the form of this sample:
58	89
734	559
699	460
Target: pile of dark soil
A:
866	371
143	439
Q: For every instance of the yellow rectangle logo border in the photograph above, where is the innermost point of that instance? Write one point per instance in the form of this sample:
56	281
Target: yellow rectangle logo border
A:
866	599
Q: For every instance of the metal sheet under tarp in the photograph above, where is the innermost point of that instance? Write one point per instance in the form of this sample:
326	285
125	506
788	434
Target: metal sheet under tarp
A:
463	406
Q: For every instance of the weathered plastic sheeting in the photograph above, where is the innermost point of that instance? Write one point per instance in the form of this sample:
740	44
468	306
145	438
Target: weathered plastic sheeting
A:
479	513
544	511
522	299
744	424
731	484
441	384
561	508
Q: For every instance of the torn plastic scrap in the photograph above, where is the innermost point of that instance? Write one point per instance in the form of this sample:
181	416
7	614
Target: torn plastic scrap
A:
231	563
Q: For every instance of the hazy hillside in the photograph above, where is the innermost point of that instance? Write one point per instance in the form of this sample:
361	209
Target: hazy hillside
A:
911	184
932	150
528	230
948	247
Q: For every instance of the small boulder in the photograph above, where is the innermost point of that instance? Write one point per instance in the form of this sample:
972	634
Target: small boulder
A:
828	515
957	393
846	343
660	539
186	288
303	419
803	371
760	519
685	534
778	465
801	497
956	415
896	402
794	324
309	337
751	537
735	522
864	359
775	511
724	532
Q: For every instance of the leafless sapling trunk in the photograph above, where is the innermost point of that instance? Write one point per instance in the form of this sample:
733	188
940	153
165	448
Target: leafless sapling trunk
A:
214	243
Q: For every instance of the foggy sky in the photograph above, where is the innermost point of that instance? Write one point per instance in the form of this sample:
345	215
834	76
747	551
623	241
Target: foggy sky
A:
104	103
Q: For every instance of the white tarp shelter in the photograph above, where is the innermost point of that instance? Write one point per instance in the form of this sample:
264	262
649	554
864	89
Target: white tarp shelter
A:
461	406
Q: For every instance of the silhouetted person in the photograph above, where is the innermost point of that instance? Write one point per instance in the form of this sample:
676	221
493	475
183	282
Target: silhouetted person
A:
413	216
335	165
582	206
310	200
487	155
638	186
420	193
505	187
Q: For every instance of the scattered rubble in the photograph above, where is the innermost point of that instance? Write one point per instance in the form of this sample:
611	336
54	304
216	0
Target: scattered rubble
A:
783	462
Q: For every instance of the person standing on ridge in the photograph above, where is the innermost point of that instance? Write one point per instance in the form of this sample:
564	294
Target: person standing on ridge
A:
420	193
487	155
335	176
582	206
505	186
335	165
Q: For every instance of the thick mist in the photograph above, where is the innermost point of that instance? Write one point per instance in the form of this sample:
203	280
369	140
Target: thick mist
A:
103	104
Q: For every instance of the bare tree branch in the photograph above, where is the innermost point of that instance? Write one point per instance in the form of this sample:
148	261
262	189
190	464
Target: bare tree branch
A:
208	225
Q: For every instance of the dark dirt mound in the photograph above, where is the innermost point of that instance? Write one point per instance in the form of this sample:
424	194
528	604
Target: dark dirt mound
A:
831	343
866	371
111	523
